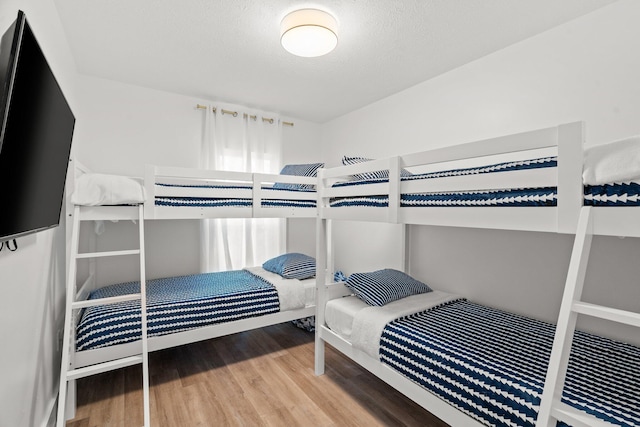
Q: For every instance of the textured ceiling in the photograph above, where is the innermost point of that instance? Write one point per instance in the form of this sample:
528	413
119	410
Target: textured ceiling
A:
229	50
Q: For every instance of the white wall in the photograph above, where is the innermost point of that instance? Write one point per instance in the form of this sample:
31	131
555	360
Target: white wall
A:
585	70
301	144
126	127
32	303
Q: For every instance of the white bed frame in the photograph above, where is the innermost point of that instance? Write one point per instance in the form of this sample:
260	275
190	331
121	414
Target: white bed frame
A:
566	139
89	357
257	193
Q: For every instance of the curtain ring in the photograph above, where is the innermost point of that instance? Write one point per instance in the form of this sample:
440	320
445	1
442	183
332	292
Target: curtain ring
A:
233	113
15	245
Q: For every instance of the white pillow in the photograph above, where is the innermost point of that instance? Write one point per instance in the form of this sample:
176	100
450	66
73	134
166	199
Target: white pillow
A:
617	161
96	189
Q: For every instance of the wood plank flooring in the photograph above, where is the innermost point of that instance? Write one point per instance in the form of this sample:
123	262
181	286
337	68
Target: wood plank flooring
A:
257	378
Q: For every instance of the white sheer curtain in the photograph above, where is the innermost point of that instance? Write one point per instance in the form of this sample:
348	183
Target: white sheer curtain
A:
240	142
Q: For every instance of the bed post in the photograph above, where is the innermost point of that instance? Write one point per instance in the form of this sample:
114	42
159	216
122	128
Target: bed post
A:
394	190
75	169
567	318
406	241
321	265
149	190
570	191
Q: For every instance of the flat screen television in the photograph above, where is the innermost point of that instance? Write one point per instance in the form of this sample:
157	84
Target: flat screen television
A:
35	137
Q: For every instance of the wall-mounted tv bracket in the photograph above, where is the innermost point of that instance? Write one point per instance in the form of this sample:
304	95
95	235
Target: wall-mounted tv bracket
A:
8	245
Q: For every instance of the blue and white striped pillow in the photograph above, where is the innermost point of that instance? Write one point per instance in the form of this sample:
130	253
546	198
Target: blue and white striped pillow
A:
292	266
384	286
309	169
383	174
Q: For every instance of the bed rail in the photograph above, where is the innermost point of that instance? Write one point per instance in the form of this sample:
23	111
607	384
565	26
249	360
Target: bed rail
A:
565	141
240	194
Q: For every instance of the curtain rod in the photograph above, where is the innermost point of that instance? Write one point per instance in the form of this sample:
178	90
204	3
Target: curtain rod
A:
235	114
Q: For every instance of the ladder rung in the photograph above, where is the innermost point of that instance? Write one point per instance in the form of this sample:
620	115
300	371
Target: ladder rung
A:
105	301
74	374
106	254
613	314
575	417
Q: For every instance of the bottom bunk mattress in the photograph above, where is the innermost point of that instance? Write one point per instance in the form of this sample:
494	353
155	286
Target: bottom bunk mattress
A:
176	304
489	363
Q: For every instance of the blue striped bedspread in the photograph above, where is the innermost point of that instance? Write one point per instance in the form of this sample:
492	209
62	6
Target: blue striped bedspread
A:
208	202
175	304
545	196
492	364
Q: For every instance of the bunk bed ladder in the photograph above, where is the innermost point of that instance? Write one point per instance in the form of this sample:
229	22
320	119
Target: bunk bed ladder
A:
551	407
67	372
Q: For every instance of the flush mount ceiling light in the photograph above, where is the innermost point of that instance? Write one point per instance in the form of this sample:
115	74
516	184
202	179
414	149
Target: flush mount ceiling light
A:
309	33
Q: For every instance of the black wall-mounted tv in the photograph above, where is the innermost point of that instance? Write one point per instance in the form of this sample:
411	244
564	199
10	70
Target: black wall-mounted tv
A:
35	137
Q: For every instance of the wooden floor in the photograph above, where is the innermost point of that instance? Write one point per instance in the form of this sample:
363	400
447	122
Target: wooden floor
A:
258	378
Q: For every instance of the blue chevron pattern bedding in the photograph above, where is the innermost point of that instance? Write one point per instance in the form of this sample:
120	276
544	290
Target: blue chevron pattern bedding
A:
233	202
616	194
543	162
206	202
175	304
546	196
492	364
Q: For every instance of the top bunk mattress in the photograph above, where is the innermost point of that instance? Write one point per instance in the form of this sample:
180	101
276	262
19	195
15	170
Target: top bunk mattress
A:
611	173
625	193
272	196
613	194
543	196
95	189
293	187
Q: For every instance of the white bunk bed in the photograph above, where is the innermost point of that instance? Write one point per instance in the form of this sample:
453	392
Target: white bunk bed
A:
335	300
563	141
175	193
184	193
236	195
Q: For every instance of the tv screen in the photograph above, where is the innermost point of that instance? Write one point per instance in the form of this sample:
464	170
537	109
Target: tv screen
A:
35	138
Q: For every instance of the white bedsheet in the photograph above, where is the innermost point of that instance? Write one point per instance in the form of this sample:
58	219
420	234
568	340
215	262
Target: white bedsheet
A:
618	161
340	312
369	322
293	293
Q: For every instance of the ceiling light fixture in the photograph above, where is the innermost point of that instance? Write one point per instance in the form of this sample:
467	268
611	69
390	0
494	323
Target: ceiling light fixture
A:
309	33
